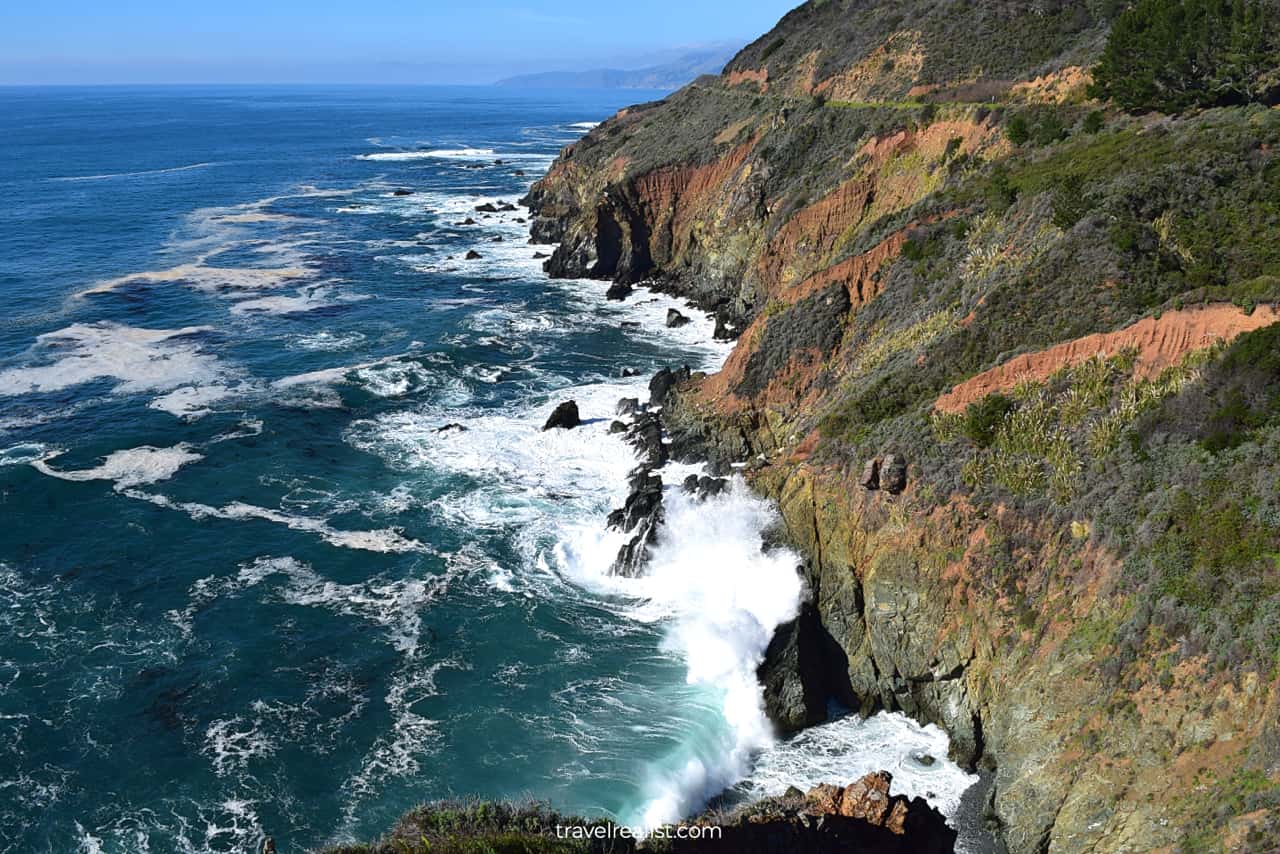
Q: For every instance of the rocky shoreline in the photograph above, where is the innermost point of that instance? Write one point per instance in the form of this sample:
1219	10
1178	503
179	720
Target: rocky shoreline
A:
1021	431
863	817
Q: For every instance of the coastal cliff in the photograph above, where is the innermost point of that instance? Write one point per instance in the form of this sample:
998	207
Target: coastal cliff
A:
1008	361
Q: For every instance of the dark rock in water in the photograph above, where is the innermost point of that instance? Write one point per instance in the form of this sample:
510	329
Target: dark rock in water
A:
724	330
519	173
487	207
925	759
643	501
268	846
446	428
893	474
704	487
403	193
709	487
497	239
618	291
473	255
565	416
663	382
541	255
719	468
628	406
497	162
521	220
642	515
507	207
468	221
629	372
870	475
645	435
793	673
631	324
675	319
617	427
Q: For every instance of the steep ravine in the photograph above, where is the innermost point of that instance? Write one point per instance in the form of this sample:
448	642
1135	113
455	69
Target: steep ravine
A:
989	385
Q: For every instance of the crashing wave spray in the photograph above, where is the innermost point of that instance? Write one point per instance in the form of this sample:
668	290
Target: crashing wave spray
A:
723	597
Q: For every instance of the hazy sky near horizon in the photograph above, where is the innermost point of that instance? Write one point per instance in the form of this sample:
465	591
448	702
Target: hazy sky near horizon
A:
397	41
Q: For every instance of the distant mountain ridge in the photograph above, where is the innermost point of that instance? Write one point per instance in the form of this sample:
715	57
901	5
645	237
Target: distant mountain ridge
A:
668	75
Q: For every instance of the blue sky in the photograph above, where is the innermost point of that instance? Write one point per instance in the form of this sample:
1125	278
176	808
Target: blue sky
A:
468	41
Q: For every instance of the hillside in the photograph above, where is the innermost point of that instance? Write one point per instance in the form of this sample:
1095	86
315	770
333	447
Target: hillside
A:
935	246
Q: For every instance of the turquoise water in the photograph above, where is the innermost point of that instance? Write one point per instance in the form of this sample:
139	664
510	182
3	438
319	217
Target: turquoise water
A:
248	586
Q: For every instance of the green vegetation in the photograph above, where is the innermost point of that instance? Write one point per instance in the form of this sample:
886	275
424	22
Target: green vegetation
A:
1175	55
983	418
1040	126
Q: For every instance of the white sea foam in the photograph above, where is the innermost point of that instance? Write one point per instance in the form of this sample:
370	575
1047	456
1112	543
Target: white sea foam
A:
128	468
438	153
306	299
138	174
584	125
192	402
22	454
330	341
136	359
846	749
206	278
386	540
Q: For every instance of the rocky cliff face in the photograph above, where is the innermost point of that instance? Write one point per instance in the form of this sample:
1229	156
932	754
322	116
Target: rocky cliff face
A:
1053	326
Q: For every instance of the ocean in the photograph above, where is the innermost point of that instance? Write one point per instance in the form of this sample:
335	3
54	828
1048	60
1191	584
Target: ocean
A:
283	548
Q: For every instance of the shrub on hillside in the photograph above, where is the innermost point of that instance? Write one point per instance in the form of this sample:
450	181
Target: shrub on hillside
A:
1174	55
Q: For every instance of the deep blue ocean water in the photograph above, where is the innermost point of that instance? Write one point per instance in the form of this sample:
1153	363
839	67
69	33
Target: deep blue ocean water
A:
248	584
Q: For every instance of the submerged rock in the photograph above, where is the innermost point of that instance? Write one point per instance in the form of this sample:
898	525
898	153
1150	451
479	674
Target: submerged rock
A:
473	255
402	193
565	416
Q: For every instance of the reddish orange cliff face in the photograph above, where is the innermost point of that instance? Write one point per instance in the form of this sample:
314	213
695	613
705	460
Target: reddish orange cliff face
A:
1005	360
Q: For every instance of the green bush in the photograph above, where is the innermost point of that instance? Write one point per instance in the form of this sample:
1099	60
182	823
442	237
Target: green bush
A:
1018	130
983	418
1174	55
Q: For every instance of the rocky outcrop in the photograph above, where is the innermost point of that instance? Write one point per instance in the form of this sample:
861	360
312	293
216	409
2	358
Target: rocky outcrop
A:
795	671
641	517
565	416
860	817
